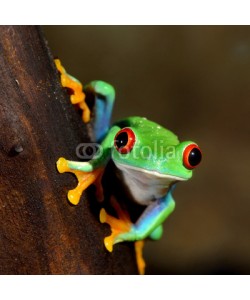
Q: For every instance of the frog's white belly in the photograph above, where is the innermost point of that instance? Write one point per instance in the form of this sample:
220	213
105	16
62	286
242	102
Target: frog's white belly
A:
145	186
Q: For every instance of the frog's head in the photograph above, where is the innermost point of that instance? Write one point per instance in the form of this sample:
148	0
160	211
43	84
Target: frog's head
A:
150	148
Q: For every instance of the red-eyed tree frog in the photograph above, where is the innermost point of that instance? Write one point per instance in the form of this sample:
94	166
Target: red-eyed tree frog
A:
148	159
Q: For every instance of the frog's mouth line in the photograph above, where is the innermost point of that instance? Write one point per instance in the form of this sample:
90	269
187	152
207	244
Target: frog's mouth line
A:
149	172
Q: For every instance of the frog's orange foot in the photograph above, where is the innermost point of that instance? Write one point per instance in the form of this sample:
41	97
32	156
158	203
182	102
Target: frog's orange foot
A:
77	96
85	179
122	230
119	227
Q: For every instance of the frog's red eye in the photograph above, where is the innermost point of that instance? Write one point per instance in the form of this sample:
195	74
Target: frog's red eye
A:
124	140
191	156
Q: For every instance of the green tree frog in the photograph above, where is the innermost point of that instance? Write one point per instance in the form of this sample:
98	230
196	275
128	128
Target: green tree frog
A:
147	158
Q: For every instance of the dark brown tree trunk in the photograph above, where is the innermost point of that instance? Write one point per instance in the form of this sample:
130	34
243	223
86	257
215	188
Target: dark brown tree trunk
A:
40	232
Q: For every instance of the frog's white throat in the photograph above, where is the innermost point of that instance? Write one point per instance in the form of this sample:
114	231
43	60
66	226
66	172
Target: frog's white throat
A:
145	186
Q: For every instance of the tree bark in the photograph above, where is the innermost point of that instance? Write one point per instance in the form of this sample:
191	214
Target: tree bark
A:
40	232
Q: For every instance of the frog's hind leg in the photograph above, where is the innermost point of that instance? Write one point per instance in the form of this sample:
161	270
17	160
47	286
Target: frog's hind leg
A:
84	178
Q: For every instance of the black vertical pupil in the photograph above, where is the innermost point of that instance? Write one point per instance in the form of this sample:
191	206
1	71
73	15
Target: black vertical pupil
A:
121	140
194	157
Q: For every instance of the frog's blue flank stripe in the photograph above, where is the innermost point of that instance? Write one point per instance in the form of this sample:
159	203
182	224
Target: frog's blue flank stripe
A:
104	97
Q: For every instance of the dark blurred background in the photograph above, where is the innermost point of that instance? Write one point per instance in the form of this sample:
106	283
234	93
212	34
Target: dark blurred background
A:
194	80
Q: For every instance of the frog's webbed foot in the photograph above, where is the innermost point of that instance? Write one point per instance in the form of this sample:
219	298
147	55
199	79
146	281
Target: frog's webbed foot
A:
122	229
119	226
85	179
77	95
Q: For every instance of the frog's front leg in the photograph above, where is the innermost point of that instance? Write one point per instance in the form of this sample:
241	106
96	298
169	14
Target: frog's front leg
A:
84	173
148	225
90	172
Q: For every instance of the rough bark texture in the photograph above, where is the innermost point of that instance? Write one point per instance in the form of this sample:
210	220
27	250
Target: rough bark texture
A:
40	232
